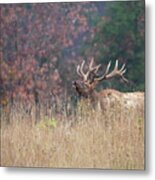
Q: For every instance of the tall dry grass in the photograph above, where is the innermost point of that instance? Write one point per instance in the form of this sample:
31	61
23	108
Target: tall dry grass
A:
89	138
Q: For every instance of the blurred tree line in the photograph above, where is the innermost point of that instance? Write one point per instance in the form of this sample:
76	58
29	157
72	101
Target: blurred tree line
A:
41	45
120	34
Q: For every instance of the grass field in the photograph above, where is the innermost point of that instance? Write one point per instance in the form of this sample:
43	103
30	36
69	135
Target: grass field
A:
89	138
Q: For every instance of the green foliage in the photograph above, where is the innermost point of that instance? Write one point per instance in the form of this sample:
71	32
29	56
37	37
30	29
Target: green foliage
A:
121	36
50	123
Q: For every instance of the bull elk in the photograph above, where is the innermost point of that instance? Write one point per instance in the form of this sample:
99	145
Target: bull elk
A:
85	86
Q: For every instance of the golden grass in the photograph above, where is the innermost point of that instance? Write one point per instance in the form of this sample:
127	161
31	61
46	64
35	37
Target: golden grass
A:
91	138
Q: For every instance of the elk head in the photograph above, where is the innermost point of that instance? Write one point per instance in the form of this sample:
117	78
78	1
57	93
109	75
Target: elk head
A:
88	80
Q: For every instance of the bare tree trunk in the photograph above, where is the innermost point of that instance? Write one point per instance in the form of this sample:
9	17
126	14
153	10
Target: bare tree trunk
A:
37	106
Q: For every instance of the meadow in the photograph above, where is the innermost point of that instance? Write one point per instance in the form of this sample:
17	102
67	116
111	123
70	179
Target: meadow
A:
52	55
86	138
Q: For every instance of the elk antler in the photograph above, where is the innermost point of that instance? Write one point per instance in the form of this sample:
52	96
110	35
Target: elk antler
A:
80	70
91	78
115	72
91	70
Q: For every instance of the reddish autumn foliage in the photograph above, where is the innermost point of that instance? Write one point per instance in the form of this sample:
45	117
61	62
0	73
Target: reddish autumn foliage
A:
34	38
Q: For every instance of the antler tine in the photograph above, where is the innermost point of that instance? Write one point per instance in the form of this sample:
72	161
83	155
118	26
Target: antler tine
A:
95	68
122	68
116	65
107	69
78	71
90	67
124	79
122	71
115	72
91	63
81	67
106	72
